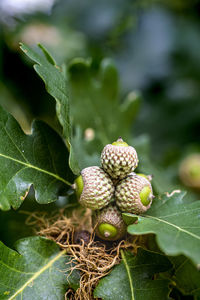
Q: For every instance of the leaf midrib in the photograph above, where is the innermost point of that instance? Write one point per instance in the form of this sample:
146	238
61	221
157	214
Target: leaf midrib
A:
129	275
36	168
38	273
175	226
179	213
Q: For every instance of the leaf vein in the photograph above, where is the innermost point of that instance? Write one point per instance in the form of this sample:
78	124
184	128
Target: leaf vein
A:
36	168
13	269
14	176
15	144
179	213
175	226
38	273
129	275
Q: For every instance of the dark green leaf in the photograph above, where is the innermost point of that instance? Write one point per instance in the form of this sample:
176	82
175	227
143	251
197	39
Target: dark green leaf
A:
175	224
39	159
186	276
56	86
47	55
80	145
133	278
95	101
130	108
37	270
161	179
129	218
109	77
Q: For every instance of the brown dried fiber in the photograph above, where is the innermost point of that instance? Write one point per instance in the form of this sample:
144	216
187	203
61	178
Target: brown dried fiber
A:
93	258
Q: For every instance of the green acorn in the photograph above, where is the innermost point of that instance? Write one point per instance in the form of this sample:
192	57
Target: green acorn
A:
134	194
109	224
189	171
148	177
119	159
94	188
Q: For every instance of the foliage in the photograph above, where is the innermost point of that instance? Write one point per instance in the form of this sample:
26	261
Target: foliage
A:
163	62
89	96
171	220
57	87
132	279
30	159
186	276
36	271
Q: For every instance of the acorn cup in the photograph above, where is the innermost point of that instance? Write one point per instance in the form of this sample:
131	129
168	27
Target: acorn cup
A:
94	188
108	223
134	194
119	159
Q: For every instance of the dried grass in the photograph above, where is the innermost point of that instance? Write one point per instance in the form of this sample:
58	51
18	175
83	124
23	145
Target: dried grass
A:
93	258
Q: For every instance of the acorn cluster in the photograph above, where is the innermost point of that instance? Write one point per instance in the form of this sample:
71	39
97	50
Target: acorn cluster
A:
114	188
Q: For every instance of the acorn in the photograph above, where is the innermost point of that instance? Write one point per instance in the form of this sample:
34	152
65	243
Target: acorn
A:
148	177
109	224
94	188
189	171
119	159
134	194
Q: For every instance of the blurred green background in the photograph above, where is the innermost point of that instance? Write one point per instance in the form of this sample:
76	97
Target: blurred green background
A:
155	48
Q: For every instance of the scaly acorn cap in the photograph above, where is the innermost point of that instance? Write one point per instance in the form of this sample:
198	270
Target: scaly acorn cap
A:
134	194
189	171
119	159
109	224
94	188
